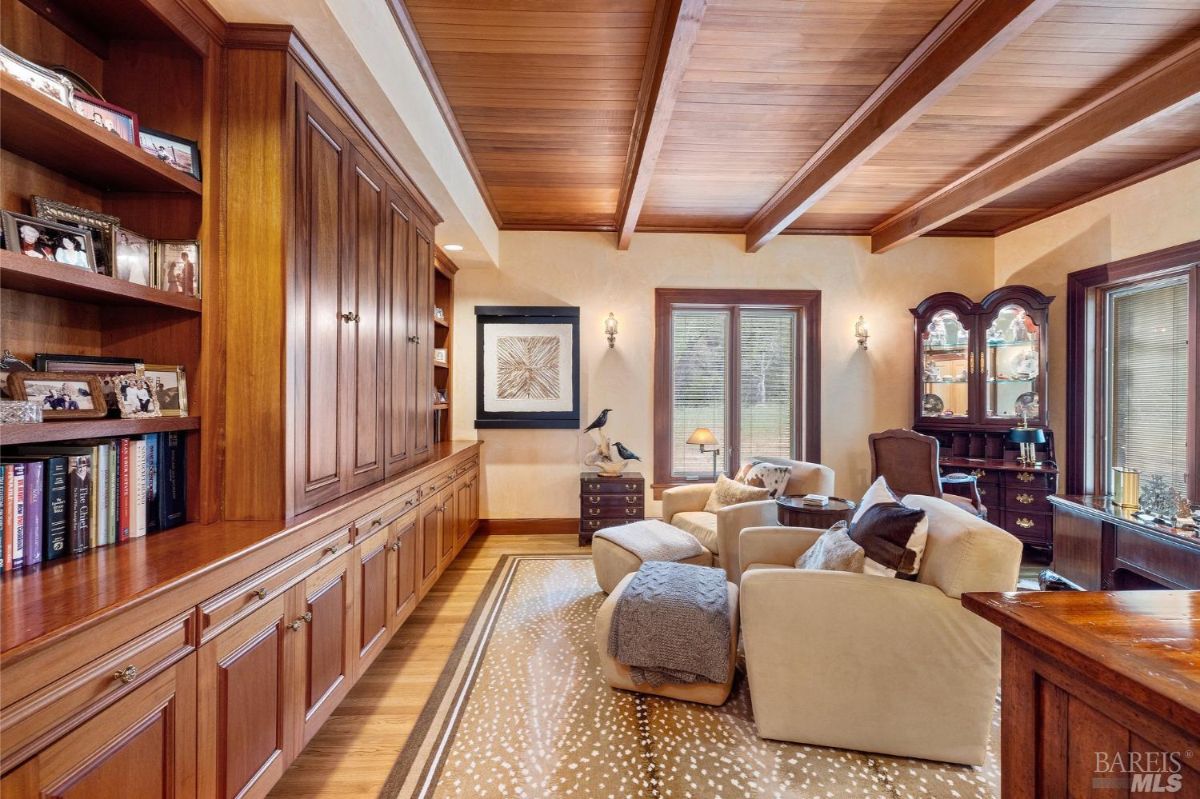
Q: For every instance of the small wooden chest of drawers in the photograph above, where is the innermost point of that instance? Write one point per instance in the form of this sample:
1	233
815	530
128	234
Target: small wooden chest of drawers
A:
609	501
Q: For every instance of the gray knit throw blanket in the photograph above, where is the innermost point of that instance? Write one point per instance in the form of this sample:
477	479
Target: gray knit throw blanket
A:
671	624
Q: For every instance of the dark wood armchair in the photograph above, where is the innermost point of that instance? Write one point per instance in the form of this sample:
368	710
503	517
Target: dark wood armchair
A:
909	462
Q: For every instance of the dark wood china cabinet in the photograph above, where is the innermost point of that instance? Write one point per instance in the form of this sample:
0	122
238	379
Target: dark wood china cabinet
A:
981	370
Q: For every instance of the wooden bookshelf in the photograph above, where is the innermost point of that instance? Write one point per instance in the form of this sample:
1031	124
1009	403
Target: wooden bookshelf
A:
441	323
41	130
443	297
50	279
48	432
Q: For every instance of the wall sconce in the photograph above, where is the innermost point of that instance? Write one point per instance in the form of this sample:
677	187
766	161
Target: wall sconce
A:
610	330
860	333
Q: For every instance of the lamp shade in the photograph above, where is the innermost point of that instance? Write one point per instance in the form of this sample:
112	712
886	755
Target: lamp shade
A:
1027	435
702	435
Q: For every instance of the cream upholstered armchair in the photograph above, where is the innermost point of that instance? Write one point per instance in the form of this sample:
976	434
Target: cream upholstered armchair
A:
877	664
683	507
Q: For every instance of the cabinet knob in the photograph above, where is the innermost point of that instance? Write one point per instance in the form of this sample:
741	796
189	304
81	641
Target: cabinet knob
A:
126	675
357	318
294	625
332	549
347	317
261	593
414	339
395	546
307	617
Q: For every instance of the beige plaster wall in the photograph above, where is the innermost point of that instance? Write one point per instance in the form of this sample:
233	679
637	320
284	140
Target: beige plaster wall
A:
534	473
1156	213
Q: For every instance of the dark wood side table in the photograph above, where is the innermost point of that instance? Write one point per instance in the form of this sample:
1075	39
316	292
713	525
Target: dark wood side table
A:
794	513
609	501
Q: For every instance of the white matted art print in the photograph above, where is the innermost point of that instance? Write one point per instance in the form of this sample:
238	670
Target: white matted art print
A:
527	368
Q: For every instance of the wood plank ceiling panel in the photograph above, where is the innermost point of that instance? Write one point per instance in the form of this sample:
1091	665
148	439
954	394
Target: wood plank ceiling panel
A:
545	93
768	82
1073	54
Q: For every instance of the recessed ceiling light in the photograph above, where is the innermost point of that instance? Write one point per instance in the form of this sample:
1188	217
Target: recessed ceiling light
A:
453	247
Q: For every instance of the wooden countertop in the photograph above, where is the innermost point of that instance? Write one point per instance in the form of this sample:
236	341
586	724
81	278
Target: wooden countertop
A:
1100	508
50	600
1143	645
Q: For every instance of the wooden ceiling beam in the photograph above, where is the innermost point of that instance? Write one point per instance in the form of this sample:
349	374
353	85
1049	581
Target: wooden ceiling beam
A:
676	25
971	33
1158	90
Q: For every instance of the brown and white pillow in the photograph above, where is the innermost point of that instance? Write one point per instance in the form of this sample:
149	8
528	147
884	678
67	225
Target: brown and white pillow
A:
834	551
770	476
727	492
893	537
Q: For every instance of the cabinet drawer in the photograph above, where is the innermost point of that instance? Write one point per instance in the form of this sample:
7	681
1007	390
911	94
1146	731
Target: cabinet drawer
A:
611	485
1035	480
982	476
611	500
384	515
40	718
234	603
591	525
467	466
612	512
436	484
1026	500
1034	528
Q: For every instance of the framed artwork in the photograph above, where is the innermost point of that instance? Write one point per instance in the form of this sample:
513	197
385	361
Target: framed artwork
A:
49	241
103	227
177	153
62	396
106	368
171	388
527	367
118	121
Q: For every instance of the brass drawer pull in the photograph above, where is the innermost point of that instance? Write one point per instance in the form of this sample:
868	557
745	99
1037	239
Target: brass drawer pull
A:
376	523
631	511
631	486
261	593
307	617
1025	477
332	549
1024	523
594	500
593	511
1025	499
978	473
126	675
631	500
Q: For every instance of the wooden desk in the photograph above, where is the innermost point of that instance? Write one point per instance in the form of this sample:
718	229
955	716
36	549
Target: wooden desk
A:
1099	546
1097	687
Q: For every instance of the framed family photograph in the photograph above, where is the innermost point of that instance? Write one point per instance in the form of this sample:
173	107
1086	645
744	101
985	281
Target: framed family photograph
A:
104	368
177	265
42	80
103	227
48	241
175	152
134	258
62	396
172	388
112	118
137	396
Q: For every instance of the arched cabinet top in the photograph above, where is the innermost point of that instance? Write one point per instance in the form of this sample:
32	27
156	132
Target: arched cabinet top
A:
1028	296
947	299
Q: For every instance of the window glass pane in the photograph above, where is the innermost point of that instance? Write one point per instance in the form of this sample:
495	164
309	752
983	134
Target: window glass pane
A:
1149	379
699	360
767	384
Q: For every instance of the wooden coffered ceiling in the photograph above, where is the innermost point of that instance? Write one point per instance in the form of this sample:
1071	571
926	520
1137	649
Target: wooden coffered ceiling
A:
889	118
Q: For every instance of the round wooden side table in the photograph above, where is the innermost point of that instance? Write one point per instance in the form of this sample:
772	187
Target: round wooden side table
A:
794	513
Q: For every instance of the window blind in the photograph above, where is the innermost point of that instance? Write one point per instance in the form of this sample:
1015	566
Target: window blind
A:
1148	352
767	383
699	390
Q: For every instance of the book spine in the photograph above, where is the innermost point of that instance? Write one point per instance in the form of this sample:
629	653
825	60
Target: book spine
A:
152	482
139	498
126	498
4	506
35	512
55	545
93	496
114	484
79	495
172	502
100	505
18	529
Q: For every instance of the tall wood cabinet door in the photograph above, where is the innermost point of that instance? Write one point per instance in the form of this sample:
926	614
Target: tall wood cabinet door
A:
374	555
401	371
143	746
421	325
431	533
474	501
325	608
365	280
462	498
404	568
446	501
244	708
320	337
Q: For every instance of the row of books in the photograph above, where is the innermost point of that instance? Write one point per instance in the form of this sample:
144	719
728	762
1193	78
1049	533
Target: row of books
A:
64	499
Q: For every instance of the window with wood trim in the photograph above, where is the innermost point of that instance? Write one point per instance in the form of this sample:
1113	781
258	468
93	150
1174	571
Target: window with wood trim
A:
743	364
1133	368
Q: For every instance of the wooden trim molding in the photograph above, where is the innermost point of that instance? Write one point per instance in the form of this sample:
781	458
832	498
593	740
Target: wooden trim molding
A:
971	33
677	24
1084	400
808	366
529	526
1153	91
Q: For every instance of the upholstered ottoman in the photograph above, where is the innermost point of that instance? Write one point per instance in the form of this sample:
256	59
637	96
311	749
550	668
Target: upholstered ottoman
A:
618	551
617	674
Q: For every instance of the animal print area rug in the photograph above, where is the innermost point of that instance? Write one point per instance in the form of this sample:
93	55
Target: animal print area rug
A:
521	710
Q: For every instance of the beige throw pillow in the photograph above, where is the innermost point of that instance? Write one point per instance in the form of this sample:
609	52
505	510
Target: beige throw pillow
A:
727	492
834	551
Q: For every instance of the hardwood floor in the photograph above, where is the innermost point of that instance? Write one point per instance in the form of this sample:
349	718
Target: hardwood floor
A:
355	749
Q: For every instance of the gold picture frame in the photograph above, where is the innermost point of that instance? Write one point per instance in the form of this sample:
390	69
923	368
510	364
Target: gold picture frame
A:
172	387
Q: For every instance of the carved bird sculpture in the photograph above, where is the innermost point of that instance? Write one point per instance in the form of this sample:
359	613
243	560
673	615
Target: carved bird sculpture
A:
599	422
625	452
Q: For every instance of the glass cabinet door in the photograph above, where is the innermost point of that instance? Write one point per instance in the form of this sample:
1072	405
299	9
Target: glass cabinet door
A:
946	367
1012	365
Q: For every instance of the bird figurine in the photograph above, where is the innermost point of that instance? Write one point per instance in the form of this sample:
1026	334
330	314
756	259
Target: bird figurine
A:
625	452
599	422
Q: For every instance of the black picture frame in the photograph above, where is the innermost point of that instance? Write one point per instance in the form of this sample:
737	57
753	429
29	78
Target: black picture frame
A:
145	141
526	315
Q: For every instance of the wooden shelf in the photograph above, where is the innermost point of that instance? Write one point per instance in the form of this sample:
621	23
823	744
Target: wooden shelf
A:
36	127
441	365
441	323
52	279
92	428
441	406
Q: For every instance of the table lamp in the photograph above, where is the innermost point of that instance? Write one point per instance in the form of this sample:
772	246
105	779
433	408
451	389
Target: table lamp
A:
705	438
1028	438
